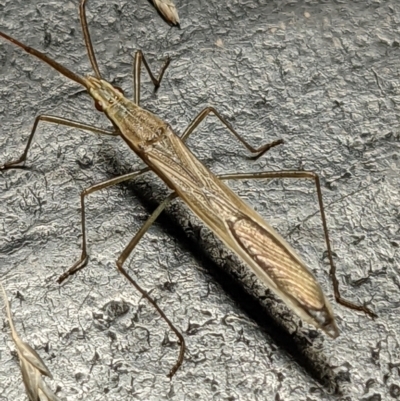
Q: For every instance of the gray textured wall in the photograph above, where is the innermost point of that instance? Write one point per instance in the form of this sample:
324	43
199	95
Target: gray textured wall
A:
322	75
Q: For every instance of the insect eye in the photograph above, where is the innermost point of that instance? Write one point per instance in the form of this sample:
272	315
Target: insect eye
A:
98	106
119	90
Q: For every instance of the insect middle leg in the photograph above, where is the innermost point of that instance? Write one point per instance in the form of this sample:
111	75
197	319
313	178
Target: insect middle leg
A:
81	263
18	163
311	176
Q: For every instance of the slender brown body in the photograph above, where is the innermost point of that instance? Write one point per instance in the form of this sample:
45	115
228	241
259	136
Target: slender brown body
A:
232	220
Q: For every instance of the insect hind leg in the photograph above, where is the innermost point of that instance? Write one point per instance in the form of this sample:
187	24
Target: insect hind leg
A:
313	176
257	152
139	58
121	260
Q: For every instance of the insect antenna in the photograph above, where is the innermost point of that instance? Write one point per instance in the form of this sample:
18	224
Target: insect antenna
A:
88	41
52	63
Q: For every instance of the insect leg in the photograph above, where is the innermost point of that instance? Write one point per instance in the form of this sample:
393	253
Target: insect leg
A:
125	254
312	176
204	113
55	120
81	263
127	251
139	58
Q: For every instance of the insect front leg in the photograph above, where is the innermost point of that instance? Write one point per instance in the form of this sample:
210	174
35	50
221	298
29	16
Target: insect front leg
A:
81	263
139	58
17	163
311	176
210	110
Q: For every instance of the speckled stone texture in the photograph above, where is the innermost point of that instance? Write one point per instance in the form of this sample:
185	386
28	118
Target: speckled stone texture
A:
322	75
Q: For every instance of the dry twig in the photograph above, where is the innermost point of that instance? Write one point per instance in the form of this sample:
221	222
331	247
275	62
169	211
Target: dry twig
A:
168	11
32	365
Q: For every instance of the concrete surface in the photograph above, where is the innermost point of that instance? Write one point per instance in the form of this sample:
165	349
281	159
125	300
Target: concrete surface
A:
322	75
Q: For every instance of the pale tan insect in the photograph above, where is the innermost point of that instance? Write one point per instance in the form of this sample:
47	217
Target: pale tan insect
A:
32	365
228	216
